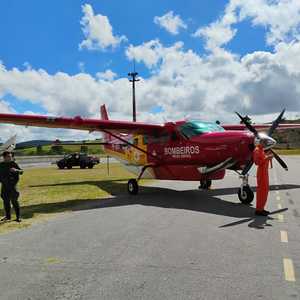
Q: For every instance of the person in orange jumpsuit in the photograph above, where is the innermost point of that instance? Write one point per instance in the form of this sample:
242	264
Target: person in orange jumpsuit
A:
261	159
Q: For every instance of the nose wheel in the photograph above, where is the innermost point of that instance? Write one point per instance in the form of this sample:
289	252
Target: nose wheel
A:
245	192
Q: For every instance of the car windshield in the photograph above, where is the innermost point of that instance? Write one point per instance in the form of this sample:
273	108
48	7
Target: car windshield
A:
194	127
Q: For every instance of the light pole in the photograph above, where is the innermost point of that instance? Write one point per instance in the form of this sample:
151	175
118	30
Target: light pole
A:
133	79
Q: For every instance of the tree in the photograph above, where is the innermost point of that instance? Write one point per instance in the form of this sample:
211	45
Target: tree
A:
57	149
39	149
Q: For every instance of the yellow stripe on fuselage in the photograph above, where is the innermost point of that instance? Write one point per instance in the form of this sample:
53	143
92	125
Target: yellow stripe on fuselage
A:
132	155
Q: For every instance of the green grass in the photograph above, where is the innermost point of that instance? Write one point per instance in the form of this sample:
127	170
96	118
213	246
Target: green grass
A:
50	191
288	151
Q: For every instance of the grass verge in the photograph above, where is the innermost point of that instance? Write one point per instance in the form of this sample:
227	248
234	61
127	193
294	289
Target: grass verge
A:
288	151
48	191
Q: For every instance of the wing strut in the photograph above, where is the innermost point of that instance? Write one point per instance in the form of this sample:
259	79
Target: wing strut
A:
130	144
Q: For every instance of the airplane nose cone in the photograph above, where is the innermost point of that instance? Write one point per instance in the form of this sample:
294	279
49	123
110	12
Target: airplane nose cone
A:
266	141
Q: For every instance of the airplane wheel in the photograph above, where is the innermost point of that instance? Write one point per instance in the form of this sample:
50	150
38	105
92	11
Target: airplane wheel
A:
247	196
132	187
205	184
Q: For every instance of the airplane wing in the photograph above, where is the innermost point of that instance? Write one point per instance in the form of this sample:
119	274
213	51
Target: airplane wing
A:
261	127
81	124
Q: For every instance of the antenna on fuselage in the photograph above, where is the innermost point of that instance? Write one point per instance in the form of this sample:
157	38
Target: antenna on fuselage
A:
133	79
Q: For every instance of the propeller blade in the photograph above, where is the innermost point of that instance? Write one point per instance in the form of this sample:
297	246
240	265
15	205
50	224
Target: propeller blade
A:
247	167
280	161
248	125
275	123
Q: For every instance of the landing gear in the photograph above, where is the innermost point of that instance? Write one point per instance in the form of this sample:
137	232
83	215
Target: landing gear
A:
132	187
205	184
245	193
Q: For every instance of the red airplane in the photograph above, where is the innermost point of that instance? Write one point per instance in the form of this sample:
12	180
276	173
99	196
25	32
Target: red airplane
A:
183	150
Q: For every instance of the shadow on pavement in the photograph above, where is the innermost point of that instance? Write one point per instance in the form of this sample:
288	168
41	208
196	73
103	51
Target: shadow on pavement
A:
258	222
193	200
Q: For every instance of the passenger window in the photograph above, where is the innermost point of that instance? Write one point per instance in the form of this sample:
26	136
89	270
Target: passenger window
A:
145	139
160	139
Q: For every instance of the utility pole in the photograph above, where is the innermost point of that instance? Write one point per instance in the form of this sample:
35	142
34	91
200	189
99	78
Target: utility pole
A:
133	79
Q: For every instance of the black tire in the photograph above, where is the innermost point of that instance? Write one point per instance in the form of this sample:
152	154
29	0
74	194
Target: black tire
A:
205	184
69	166
82	166
132	187
61	166
90	166
247	196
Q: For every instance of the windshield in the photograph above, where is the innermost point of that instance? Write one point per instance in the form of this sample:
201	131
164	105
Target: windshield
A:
192	128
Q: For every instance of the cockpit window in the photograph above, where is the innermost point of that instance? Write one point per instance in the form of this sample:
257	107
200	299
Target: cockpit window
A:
192	128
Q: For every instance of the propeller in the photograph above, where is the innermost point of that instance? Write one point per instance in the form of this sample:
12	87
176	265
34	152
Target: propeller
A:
248	125
280	161
267	139
276	123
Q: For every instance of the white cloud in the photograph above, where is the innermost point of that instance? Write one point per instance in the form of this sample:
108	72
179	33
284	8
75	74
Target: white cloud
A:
216	35
98	31
170	22
150	53
281	19
108	75
182	82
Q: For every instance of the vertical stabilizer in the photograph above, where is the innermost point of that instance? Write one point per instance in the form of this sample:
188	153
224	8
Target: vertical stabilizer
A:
104	116
103	112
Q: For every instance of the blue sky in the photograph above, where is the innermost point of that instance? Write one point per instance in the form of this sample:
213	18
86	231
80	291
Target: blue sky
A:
234	55
46	34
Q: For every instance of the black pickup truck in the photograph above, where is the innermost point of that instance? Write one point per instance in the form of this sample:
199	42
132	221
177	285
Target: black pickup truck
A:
77	159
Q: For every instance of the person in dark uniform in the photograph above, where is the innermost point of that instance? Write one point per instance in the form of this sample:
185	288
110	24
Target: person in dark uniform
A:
9	177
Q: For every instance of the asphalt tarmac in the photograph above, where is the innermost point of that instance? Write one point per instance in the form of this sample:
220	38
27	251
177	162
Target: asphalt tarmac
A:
171	241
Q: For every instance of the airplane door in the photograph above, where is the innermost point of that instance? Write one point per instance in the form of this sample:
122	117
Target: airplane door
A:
156	145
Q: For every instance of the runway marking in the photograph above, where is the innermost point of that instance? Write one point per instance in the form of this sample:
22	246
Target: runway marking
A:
53	260
283	236
288	267
280	218
279	206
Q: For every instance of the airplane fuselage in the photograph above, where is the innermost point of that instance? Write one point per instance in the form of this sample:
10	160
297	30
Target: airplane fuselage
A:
173	156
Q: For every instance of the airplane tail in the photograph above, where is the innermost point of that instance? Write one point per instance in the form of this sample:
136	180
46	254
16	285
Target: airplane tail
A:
104	116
